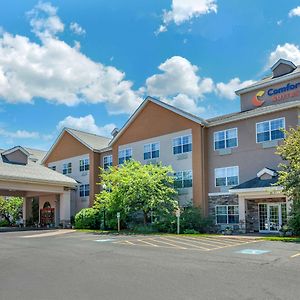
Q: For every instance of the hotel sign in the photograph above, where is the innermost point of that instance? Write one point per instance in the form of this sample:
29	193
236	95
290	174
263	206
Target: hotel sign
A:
286	92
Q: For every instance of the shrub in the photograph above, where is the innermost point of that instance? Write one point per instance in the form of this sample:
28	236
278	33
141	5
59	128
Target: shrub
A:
88	218
4	223
190	231
294	219
192	218
166	223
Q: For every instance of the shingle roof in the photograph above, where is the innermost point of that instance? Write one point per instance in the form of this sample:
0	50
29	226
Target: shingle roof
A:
252	112
256	183
93	141
33	172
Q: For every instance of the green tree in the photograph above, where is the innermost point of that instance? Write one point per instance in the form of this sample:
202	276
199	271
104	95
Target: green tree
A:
289	175
133	187
11	208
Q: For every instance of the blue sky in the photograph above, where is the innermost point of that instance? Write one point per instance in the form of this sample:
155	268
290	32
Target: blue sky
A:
88	64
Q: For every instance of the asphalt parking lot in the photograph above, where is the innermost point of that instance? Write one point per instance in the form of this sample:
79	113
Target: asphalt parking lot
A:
76	265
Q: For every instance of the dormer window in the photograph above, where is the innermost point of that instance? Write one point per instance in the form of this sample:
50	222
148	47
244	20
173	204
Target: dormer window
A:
282	67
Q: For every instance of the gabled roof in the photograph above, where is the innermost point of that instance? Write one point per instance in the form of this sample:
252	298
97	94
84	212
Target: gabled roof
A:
92	141
176	110
34	173
258	182
267	81
283	61
16	148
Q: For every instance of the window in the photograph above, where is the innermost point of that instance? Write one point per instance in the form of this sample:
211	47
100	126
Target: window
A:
182	144
53	168
107	162
227	214
67	168
84	190
84	165
227	176
270	130
225	139
151	151
125	154
183	179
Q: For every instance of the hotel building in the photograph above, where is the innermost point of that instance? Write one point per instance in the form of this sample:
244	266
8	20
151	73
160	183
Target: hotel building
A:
226	165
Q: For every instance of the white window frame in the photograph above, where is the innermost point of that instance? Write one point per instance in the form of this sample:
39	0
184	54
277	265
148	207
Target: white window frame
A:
237	138
124	151
226	170
85	165
181	137
84	188
183	178
227	215
151	151
68	167
269	121
110	161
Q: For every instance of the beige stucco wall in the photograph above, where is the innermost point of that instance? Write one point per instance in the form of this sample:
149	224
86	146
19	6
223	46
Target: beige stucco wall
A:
250	156
83	177
181	162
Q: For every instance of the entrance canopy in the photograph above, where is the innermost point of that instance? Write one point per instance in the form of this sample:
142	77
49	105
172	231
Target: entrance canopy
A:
21	174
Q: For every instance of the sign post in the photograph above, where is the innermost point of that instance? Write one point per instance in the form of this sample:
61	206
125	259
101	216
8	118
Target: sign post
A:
177	213
118	217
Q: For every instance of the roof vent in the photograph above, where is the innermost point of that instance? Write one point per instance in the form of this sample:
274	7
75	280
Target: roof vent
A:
115	132
282	67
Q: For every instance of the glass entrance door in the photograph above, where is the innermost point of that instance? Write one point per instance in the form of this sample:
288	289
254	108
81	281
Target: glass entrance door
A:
274	217
270	217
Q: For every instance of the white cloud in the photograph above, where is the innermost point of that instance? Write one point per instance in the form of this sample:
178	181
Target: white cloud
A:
87	124
187	104
185	10
287	51
44	21
179	84
57	72
19	134
227	90
294	12
77	29
179	77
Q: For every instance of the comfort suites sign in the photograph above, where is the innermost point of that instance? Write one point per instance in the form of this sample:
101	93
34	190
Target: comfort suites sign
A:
282	93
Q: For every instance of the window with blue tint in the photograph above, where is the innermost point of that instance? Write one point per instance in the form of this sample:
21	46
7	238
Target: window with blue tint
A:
228	176
84	165
67	168
125	154
227	214
84	190
225	139
270	130
182	144
183	179
151	151
107	162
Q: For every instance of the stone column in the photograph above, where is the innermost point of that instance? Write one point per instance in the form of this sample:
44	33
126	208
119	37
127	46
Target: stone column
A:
242	215
27	210
65	208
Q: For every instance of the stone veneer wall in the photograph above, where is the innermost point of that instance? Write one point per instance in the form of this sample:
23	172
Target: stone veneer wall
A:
252	215
226	199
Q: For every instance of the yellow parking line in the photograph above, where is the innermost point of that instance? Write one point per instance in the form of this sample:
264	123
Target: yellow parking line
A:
234	245
207	242
174	245
195	240
188	244
150	244
295	255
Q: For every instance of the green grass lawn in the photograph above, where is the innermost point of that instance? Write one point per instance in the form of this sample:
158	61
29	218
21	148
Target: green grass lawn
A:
294	239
